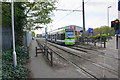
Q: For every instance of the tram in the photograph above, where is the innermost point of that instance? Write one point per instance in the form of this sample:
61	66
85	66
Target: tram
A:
62	36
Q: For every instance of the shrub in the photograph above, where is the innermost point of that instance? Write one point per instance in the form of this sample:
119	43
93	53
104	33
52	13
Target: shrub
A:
97	37
8	69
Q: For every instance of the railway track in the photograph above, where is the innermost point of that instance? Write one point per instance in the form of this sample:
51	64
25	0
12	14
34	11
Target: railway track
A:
87	50
89	75
93	49
81	57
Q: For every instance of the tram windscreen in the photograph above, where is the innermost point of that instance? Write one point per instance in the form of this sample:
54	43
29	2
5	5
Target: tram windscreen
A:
70	34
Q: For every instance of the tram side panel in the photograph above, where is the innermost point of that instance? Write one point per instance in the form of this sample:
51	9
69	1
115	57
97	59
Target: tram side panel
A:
62	37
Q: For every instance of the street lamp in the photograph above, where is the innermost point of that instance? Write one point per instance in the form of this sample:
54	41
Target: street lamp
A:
14	53
108	20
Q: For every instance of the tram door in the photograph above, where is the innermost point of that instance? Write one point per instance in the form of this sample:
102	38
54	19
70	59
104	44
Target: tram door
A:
55	37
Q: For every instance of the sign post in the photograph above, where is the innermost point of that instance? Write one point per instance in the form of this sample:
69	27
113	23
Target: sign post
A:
117	32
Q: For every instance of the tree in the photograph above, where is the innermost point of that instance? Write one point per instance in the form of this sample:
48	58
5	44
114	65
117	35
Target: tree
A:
38	13
19	19
27	16
33	33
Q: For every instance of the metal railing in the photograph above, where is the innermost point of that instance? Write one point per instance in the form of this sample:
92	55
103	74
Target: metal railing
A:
93	41
47	52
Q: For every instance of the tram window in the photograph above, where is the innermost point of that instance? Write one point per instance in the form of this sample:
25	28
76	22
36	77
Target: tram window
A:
58	36
55	37
48	36
62	36
52	36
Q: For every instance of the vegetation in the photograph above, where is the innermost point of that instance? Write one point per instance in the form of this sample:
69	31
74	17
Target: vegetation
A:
103	30
28	16
19	18
8	69
97	37
33	33
38	13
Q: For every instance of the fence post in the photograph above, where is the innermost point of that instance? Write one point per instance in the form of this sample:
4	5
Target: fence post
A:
101	43
94	43
104	43
51	59
36	51
87	41
47	53
44	50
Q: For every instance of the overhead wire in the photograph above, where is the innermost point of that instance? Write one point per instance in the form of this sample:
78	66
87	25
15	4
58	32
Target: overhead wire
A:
69	13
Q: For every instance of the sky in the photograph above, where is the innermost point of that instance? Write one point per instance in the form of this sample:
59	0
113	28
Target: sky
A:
95	14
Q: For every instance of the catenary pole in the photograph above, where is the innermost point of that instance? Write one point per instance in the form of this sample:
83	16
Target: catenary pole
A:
14	53
83	20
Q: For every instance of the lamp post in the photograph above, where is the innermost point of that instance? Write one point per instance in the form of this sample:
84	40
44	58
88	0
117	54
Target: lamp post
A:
108	20
14	53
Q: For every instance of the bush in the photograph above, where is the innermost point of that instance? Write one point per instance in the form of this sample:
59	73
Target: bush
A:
8	69
97	37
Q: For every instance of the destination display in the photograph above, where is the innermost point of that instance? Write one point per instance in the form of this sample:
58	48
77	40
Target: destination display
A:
68	29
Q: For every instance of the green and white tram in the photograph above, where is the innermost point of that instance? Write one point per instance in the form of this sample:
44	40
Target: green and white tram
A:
62	36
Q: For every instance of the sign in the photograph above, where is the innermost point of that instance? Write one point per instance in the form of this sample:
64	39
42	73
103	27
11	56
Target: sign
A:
117	32
72	27
90	30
